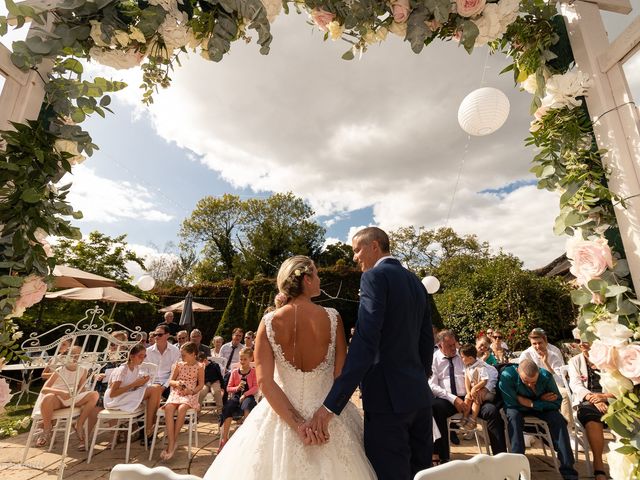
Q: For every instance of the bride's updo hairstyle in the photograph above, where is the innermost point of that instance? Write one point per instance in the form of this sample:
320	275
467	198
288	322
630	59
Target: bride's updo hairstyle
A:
290	277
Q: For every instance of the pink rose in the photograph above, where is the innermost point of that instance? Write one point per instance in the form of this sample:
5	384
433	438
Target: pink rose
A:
628	362
603	355
400	10
322	18
470	8
31	292
597	298
5	393
589	259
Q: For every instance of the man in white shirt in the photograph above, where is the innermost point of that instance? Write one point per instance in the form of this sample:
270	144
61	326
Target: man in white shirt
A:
448	387
230	351
549	357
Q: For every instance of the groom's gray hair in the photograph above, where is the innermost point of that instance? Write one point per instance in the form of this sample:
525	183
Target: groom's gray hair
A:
370	234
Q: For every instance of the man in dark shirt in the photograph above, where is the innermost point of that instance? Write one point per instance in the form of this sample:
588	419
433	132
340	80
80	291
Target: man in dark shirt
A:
168	321
530	391
213	381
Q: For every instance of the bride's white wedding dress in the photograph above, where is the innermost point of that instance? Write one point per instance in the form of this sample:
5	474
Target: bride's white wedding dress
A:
265	447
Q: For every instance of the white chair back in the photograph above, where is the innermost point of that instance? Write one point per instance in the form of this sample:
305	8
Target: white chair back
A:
136	471
503	466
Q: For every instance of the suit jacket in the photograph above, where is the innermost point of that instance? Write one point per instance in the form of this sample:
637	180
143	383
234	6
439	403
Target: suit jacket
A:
578	380
392	348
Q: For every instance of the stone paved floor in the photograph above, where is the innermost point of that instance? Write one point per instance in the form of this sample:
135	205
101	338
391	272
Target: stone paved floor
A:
43	465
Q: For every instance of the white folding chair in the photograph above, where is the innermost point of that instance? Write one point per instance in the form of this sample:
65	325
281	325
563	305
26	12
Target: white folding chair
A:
191	420
60	418
510	466
578	431
137	471
536	428
453	425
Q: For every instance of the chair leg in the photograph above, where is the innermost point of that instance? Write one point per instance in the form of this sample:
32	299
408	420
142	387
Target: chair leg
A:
126	457
93	440
29	440
155	435
195	426
190	432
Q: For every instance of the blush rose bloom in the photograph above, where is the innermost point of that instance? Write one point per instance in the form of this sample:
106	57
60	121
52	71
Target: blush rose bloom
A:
603	355
5	394
628	362
31	292
589	258
470	8
322	18
400	10
620	466
613	333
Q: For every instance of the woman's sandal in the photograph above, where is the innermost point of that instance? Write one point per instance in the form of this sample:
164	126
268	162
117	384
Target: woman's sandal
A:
600	473
81	440
44	438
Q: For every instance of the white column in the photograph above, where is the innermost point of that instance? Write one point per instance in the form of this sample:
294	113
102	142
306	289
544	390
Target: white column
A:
616	122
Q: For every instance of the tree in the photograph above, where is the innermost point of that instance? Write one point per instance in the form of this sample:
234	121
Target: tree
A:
251	311
276	228
214	222
481	292
99	254
336	254
233	315
169	269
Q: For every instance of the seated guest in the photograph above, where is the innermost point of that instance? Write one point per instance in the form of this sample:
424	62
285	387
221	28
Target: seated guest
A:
112	354
173	326
249	338
591	403
231	351
531	391
56	359
164	356
549	357
128	388
449	390
483	346
213	381
183	337
499	348
216	346
152	339
480	381
242	388
57	394
196	337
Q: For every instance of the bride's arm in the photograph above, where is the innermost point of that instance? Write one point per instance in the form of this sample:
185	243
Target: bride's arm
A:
341	348
265	365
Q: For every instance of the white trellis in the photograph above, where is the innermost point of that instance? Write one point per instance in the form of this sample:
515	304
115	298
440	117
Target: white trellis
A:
615	117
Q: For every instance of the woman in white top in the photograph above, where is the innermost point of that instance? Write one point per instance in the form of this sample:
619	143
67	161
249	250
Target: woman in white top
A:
66	381
127	385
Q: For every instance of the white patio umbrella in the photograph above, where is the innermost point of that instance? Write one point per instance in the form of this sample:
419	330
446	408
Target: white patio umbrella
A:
103	294
70	277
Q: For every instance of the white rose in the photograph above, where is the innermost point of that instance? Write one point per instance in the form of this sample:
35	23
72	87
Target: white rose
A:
174	33
273	8
63	145
621	466
118	59
612	333
562	90
495	19
122	37
96	34
16	336
530	84
615	383
137	35
335	30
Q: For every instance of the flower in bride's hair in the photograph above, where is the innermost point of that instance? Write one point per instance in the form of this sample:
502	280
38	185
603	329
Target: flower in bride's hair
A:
298	272
280	300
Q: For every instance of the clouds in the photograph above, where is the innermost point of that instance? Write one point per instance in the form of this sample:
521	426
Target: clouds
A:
102	200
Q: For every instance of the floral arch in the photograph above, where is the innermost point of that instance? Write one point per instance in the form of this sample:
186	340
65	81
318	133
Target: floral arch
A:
153	34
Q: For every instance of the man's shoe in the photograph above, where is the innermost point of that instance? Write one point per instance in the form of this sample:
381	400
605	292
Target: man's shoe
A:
454	439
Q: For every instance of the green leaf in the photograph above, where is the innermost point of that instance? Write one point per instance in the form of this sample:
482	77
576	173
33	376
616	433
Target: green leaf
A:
73	65
597	285
31	195
621	268
615	290
348	55
104	101
78	115
581	297
470	32
37	45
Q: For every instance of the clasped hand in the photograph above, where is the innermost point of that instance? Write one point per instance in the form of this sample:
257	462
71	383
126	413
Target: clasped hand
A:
316	430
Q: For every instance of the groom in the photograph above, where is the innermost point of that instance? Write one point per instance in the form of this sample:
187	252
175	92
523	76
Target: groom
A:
390	355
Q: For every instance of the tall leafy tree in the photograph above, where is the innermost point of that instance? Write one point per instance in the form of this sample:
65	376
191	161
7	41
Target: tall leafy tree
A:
99	254
215	222
336	254
233	315
251	311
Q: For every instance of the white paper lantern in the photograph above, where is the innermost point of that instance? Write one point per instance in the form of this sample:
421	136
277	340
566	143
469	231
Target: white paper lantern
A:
432	284
146	283
483	111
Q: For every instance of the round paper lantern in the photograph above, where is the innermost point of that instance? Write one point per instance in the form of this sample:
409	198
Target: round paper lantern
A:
483	111
432	284
146	283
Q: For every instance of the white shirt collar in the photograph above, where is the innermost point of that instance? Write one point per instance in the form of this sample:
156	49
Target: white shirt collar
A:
382	259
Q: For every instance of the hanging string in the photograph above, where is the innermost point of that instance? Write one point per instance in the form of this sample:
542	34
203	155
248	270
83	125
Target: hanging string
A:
466	147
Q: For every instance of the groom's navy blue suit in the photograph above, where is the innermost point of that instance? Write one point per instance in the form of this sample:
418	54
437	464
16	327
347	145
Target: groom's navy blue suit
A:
390	356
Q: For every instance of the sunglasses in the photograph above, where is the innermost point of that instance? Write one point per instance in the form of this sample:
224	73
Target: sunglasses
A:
160	335
499	337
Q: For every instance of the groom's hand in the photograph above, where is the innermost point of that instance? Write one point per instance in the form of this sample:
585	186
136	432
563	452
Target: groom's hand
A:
319	425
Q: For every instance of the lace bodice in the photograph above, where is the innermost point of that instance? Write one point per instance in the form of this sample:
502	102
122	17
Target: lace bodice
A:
305	390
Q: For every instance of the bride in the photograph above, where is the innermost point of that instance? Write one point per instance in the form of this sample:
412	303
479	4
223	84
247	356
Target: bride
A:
300	348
